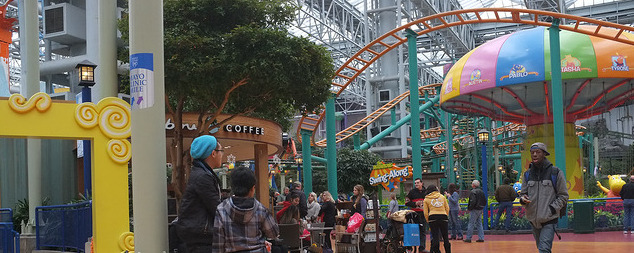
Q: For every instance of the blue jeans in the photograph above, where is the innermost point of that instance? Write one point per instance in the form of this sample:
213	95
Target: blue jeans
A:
628	214
504	207
475	220
544	237
454	222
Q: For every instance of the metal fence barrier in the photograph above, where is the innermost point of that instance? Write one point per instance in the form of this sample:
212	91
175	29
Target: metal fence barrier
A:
9	239
63	227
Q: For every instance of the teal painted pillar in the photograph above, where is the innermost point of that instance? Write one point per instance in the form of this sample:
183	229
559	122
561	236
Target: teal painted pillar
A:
450	163
413	101
591	162
356	140
331	146
393	116
307	162
558	105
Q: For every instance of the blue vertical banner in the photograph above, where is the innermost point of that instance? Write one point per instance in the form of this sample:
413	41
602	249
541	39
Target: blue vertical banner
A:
141	80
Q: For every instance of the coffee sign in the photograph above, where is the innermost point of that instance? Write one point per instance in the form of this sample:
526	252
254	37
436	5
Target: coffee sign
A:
244	129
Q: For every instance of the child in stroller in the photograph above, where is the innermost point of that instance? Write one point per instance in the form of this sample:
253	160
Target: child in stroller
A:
393	240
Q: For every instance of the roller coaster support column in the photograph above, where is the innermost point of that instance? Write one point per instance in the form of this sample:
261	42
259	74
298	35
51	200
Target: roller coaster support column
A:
331	145
413	102
558	106
307	162
356	140
450	164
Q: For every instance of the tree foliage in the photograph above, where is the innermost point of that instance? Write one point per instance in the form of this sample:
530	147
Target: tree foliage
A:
354	167
236	57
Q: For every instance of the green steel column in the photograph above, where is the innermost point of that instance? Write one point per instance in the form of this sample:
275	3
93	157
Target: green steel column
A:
393	116
307	162
590	153
356	140
331	145
449	152
413	101
558	106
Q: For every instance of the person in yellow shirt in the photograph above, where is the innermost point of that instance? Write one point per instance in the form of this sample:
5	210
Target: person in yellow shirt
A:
436	212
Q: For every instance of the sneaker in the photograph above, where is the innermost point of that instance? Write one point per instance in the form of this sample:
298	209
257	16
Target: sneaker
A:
467	240
624	232
480	240
459	238
453	237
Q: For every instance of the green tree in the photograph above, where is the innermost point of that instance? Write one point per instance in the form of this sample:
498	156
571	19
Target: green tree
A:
236	57
354	167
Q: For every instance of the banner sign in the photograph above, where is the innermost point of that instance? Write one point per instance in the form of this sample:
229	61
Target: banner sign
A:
388	175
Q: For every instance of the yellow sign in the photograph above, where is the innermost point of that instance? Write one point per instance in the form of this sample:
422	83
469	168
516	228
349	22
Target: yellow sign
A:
388	175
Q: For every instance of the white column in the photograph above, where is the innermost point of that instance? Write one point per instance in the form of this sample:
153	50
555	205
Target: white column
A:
29	85
107	83
148	133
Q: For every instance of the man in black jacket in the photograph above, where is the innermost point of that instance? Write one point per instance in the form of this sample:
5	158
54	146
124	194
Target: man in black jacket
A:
477	201
627	194
303	205
415	199
202	196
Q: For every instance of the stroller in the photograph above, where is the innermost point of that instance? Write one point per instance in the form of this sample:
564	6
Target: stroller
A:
393	240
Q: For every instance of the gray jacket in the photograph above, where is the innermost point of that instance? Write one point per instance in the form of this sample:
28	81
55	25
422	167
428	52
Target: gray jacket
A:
545	204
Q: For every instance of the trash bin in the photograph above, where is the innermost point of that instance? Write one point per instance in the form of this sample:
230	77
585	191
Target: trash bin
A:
584	216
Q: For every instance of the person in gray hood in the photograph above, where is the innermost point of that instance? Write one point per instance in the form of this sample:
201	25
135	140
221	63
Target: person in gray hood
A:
242	223
543	200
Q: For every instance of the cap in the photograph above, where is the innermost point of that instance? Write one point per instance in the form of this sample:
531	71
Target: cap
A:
202	146
540	145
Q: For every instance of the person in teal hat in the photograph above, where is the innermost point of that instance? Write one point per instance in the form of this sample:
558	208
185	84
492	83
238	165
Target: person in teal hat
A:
202	196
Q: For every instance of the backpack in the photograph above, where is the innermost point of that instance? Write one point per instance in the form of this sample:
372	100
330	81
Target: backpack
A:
554	172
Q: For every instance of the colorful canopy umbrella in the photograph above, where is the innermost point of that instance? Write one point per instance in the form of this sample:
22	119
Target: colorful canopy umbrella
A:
507	78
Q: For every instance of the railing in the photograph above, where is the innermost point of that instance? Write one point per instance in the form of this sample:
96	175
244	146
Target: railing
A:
9	239
607	214
63	226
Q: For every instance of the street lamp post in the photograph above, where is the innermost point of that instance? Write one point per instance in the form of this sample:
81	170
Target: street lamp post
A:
483	138
86	77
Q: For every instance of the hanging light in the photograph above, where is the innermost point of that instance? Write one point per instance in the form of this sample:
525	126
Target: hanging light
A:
442	167
501	168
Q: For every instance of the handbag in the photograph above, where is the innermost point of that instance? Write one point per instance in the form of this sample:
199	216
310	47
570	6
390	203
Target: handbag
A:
411	236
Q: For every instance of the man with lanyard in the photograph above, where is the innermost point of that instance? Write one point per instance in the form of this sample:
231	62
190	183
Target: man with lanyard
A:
543	200
415	197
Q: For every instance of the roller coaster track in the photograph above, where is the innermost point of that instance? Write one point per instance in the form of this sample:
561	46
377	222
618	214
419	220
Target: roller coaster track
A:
369	54
363	123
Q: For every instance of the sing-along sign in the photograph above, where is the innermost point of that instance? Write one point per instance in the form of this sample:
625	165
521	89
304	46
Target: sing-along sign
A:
388	175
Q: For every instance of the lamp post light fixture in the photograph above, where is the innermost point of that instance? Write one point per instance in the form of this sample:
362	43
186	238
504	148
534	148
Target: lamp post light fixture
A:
483	138
442	167
86	73
86	79
298	160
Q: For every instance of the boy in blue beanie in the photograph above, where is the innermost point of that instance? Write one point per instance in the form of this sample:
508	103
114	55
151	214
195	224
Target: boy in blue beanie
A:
202	195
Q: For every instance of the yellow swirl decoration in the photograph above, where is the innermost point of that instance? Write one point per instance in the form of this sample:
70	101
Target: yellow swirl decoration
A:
86	115
126	242
119	150
40	101
114	118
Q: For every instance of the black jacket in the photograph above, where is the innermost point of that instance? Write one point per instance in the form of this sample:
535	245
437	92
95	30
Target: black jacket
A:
413	195
329	211
199	203
477	201
627	191
303	204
